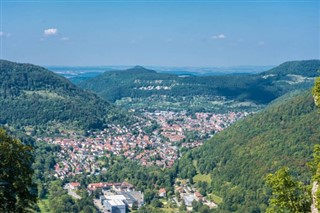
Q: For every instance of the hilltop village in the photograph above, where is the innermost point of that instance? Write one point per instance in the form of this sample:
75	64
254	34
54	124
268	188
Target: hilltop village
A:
157	140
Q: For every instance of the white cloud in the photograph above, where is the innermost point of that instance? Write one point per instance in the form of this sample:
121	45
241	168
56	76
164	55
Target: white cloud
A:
220	36
3	34
50	32
65	38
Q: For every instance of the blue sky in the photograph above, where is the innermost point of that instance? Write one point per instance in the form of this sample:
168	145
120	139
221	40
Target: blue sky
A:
171	33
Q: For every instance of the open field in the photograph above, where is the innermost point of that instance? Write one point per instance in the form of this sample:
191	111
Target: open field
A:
203	178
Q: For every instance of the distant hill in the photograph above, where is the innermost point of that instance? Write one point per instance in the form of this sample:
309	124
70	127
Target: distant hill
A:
113	85
141	82
306	68
258	88
33	96
239	158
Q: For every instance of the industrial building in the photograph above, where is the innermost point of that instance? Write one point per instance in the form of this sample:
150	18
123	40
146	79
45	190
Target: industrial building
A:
114	206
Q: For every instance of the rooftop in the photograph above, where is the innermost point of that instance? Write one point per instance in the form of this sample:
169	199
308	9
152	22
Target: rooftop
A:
115	202
115	197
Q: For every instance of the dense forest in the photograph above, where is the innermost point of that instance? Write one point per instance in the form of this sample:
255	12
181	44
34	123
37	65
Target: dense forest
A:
239	158
33	96
258	88
307	68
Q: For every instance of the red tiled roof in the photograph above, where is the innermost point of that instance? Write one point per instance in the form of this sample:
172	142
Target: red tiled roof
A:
75	184
162	190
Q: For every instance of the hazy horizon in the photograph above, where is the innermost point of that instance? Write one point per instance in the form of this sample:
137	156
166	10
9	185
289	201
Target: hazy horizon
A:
159	33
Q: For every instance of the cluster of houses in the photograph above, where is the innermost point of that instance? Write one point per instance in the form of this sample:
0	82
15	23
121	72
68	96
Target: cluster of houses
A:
79	154
188	194
201	122
122	186
154	84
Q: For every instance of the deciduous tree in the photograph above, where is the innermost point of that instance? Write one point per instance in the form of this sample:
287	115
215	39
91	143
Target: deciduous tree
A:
17	192
288	195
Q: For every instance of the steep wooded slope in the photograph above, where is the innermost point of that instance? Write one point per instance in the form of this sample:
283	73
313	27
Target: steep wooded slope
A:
239	158
32	95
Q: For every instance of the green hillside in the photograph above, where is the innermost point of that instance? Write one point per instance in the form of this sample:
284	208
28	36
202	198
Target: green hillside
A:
114	85
307	68
239	158
139	82
33	96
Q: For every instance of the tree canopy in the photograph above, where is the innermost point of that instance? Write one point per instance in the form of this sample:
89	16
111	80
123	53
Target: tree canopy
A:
34	96
17	192
288	195
238	158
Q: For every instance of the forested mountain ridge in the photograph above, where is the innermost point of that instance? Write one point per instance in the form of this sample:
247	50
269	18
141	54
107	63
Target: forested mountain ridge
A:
260	88
239	158
33	96
307	68
113	85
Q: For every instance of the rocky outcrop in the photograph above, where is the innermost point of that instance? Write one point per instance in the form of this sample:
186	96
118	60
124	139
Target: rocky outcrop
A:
315	187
